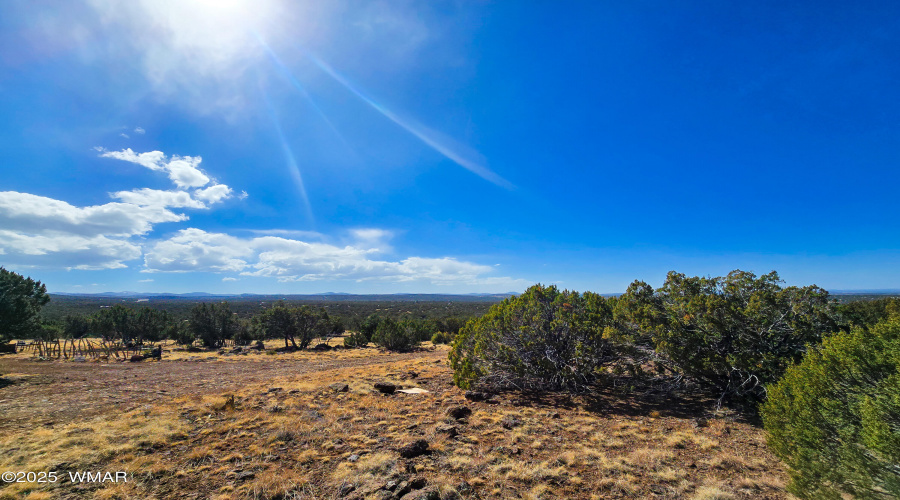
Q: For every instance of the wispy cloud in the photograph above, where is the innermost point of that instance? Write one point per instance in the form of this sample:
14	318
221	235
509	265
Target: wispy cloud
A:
183	170
139	130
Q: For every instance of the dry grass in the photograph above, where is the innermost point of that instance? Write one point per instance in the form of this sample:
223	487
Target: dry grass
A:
293	437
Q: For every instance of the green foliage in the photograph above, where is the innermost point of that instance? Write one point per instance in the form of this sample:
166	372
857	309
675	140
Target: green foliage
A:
544	337
736	333
182	334
151	325
369	326
396	335
21	300
865	313
76	326
293	324
355	339
244	334
835	417
309	325
213	323
115	323
441	338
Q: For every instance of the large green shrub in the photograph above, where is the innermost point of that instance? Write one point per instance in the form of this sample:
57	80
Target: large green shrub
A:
396	335
736	333
835	417
543	338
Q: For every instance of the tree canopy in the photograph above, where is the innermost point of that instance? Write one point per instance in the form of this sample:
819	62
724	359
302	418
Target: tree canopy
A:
21	300
835	417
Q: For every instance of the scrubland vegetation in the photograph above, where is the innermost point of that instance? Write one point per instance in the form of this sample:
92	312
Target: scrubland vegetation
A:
656	393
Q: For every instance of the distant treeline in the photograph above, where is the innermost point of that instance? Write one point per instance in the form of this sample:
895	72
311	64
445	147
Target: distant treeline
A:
215	324
352	308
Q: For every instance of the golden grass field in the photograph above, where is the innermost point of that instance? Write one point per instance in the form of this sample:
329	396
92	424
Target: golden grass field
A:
289	435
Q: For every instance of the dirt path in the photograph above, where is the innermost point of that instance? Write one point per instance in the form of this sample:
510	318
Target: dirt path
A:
46	393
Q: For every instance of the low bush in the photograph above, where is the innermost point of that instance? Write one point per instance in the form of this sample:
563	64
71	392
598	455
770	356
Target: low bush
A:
543	338
441	338
356	339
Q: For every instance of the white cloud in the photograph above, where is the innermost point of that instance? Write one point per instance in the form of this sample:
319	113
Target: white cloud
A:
196	250
68	251
182	170
32	214
150	280
152	160
296	260
213	194
40	231
139	130
156	197
123	134
228	278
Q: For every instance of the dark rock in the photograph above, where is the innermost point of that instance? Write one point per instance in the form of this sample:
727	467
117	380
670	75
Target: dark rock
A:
426	494
476	396
414	449
243	476
409	374
385	387
509	422
450	430
459	412
339	387
273	389
701	422
391	485
322	347
136	358
346	489
407	486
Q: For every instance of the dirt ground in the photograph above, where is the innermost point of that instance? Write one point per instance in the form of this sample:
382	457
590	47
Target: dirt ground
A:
265	425
48	392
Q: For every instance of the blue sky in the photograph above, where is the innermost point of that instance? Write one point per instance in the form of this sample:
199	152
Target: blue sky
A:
447	147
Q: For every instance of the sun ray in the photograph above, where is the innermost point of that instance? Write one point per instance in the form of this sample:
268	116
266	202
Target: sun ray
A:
289	76
470	160
293	168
